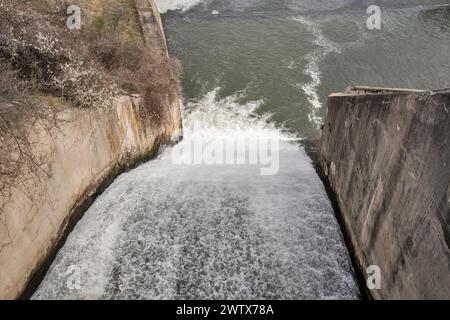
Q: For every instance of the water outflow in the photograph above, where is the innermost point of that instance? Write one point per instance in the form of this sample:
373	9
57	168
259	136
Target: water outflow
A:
180	231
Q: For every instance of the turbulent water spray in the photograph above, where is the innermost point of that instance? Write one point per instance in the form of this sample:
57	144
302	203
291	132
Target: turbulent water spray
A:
171	231
224	132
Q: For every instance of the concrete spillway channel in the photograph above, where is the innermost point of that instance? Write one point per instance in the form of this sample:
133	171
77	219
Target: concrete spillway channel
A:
169	230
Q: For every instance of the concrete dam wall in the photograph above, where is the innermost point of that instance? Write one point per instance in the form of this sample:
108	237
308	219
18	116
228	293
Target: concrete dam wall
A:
90	148
386	156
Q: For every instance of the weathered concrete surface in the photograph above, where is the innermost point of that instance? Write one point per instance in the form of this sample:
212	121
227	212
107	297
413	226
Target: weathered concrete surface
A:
90	148
151	22
386	155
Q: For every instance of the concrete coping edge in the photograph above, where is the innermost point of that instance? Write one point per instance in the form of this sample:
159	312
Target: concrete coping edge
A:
366	90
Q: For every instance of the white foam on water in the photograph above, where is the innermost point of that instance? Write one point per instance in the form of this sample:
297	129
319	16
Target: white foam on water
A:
312	68
292	65
166	5
219	117
168	231
225	131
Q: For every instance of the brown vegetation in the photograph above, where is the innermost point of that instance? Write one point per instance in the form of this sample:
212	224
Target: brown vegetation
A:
39	56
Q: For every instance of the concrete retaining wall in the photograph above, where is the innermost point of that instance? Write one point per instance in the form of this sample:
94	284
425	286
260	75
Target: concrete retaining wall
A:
386	156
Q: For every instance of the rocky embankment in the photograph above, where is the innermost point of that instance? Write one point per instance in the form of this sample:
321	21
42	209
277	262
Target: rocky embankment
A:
87	151
386	156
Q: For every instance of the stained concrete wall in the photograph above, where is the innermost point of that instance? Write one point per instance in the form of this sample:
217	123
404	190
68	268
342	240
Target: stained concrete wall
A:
151	22
90	148
386	156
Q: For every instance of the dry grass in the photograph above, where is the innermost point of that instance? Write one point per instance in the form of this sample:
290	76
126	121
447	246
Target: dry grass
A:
83	66
39	56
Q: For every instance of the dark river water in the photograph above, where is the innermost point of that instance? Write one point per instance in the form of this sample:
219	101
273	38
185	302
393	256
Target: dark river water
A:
293	54
252	70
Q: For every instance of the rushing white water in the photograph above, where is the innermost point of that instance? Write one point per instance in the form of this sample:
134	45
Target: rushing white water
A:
167	231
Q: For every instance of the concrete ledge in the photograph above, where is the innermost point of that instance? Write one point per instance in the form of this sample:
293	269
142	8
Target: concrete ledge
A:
361	90
386	155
